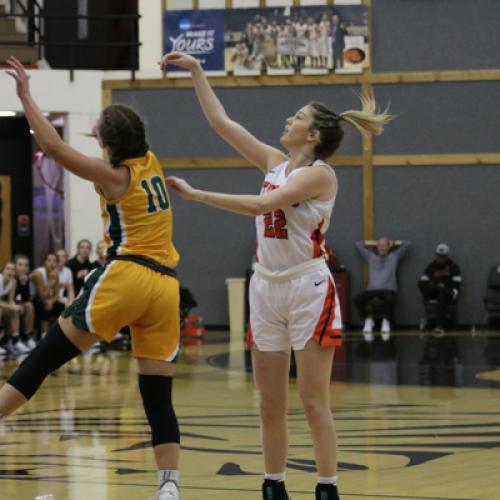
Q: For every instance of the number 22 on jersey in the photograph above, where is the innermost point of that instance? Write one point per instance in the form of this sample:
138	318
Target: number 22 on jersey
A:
275	225
156	192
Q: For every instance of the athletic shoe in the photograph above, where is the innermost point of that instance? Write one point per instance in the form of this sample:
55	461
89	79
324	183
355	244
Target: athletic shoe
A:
18	347
274	490
386	336
386	326
368	326
168	491
368	337
95	348
30	343
385	330
327	492
438	332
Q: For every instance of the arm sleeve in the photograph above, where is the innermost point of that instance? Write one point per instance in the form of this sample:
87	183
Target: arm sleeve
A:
365	253
402	249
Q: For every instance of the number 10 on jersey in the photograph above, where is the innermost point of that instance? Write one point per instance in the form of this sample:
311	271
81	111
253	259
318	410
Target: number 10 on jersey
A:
157	195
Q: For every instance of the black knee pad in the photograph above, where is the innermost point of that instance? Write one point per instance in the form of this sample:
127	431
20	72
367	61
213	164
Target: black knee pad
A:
156	392
51	353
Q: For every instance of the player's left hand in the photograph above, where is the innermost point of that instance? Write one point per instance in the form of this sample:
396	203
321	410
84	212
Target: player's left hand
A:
181	186
180	59
20	76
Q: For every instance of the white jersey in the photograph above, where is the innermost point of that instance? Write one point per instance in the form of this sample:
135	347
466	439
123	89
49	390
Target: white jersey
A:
65	279
293	235
43	271
5	288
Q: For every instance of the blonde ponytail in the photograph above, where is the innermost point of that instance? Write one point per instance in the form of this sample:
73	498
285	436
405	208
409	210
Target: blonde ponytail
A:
367	120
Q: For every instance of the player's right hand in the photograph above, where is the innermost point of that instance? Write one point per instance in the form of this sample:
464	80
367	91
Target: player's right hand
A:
19	74
181	187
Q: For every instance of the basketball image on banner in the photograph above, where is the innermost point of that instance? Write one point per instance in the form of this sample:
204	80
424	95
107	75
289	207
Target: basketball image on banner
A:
199	33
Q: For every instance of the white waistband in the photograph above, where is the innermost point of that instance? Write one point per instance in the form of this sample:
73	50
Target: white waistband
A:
302	269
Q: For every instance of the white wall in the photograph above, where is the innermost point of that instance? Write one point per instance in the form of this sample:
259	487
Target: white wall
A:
81	100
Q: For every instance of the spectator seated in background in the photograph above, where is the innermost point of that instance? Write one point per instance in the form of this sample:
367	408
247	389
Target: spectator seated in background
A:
46	298
66	288
10	311
100	250
382	283
441	283
80	264
492	297
23	297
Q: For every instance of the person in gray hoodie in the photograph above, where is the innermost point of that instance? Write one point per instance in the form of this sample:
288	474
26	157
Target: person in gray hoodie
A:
382	263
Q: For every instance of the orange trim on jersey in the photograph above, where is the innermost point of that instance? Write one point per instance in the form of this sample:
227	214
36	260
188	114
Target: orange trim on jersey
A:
324	333
318	239
267	186
249	342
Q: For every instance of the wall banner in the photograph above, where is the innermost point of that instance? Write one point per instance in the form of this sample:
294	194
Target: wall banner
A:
286	40
197	32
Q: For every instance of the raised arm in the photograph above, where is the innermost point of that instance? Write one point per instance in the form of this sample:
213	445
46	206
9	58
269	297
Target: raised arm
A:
314	182
365	253
261	155
91	169
402	247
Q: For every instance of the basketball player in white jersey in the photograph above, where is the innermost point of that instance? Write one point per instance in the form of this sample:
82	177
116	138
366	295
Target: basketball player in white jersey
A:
293	302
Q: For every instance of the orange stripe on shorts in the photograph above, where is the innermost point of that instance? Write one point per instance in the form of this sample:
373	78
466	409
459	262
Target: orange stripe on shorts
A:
324	333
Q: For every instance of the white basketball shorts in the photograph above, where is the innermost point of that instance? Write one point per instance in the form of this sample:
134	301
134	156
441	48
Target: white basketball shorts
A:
288	309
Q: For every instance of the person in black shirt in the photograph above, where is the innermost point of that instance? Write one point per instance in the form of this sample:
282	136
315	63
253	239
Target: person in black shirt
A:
80	264
441	281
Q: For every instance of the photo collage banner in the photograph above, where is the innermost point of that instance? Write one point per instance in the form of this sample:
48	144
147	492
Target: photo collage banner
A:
274	41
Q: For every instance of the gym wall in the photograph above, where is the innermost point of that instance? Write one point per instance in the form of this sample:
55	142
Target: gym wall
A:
456	204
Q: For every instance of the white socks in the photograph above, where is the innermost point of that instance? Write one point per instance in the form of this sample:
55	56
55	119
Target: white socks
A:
280	477
328	480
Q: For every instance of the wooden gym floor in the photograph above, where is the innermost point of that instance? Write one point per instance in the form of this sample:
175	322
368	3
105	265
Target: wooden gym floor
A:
418	419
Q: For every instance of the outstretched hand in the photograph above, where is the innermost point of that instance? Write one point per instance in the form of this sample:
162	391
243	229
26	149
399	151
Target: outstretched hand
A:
181	187
20	76
178	59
